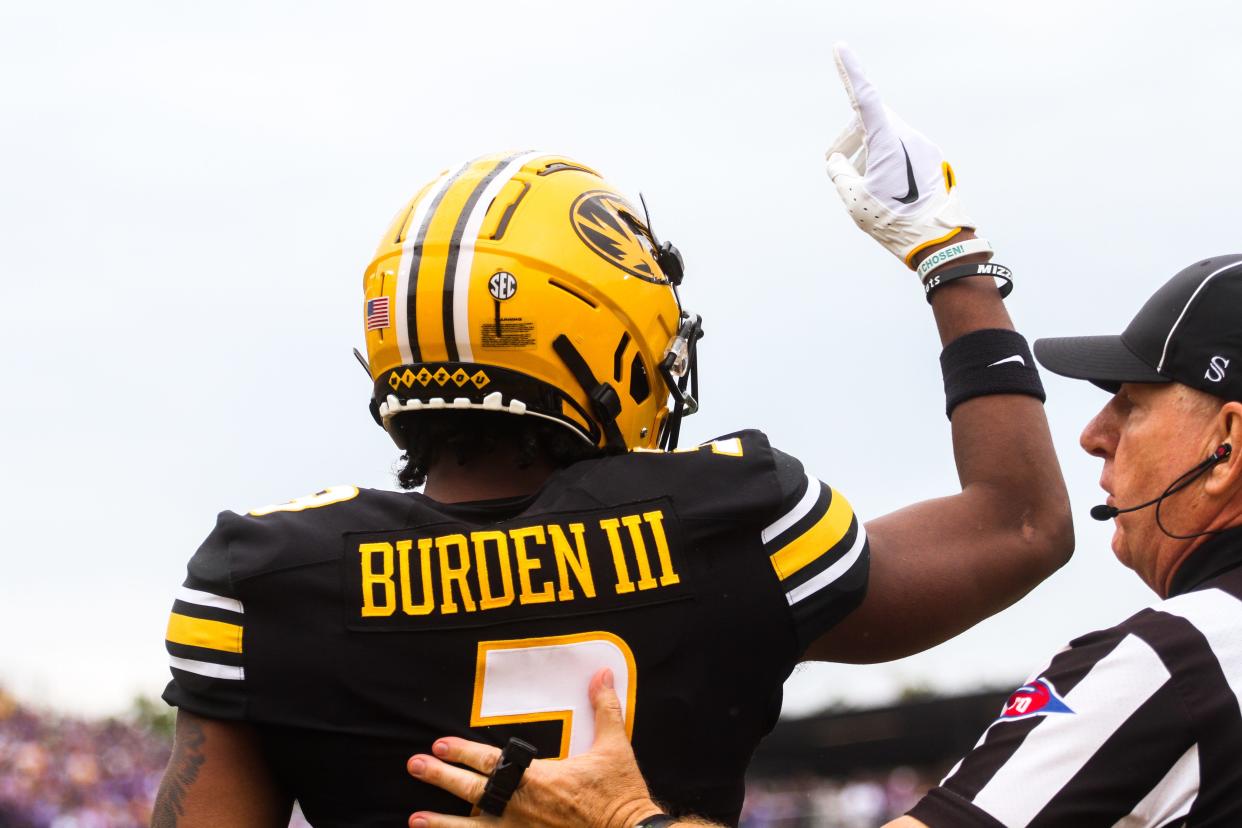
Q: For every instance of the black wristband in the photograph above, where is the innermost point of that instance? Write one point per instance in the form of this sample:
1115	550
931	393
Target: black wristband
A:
655	821
940	278
990	361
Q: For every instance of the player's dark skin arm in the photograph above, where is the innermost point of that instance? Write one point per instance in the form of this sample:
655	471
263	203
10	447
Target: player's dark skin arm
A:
217	776
940	566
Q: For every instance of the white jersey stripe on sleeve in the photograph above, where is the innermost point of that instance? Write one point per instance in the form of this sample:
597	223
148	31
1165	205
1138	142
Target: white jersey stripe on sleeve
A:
208	599
1059	747
206	668
1172	797
832	573
1218	615
797	513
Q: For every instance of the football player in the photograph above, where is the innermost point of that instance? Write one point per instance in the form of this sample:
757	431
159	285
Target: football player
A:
530	353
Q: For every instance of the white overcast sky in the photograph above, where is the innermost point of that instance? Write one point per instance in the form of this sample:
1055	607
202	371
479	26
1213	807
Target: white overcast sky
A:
190	193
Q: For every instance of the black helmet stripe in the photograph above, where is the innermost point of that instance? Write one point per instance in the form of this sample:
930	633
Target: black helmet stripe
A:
416	259
450	264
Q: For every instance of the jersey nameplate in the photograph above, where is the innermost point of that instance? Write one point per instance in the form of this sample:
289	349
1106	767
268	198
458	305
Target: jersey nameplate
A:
446	576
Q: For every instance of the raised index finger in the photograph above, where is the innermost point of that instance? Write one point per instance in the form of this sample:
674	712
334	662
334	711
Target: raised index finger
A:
863	96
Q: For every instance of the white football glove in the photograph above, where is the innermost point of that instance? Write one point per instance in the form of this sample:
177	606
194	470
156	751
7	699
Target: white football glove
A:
899	189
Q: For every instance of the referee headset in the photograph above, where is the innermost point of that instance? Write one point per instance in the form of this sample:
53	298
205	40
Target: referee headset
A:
1222	453
1188	325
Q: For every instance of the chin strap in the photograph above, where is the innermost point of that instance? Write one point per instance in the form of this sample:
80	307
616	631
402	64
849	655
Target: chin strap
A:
605	404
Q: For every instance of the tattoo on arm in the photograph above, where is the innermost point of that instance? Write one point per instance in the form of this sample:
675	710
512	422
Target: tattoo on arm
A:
183	769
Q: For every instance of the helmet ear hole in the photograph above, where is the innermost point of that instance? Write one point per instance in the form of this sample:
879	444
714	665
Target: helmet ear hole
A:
640	385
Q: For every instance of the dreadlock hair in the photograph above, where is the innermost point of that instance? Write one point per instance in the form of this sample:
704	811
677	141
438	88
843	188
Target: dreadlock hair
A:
471	434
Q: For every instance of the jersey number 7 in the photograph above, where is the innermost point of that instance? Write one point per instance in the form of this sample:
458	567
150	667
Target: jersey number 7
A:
545	679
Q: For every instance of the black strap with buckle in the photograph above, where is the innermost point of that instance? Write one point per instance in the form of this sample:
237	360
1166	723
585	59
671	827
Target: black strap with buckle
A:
605	402
506	776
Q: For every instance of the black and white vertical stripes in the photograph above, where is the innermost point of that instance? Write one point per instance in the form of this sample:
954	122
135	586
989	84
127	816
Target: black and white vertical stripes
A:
1150	733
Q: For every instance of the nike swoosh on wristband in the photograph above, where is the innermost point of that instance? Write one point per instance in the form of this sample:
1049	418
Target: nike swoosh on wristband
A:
1015	358
912	188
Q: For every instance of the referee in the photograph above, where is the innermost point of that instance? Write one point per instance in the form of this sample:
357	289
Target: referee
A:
1137	725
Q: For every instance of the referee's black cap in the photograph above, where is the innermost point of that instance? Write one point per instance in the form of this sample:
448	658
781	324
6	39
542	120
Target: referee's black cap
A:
1189	331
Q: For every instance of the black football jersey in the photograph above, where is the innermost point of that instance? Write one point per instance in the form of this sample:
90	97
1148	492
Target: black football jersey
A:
354	627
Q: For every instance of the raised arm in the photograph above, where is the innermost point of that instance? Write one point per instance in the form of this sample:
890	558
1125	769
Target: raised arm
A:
940	566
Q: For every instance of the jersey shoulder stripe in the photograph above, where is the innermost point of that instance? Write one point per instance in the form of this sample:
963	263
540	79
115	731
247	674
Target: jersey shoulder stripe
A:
834	568
811	492
228	672
817	548
804	536
205	634
202	598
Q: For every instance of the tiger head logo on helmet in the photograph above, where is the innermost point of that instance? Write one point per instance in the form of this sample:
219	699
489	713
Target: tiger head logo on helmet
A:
525	283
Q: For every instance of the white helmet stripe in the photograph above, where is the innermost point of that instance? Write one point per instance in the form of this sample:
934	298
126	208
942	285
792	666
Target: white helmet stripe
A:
411	254
460	278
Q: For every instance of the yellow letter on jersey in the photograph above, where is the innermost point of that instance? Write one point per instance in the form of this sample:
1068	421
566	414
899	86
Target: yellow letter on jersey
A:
572	558
486	599
407	597
371	579
624	584
450	575
526	564
668	576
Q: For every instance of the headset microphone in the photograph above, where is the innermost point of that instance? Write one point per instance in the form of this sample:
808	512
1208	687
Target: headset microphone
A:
1106	512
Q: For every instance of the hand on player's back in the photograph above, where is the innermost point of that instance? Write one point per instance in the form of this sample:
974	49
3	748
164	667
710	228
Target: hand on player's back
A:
602	788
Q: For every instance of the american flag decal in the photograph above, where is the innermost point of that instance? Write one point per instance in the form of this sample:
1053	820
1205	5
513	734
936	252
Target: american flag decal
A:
377	314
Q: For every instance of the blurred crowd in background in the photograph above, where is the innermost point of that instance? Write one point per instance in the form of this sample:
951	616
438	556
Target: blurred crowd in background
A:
815	802
60	771
68	772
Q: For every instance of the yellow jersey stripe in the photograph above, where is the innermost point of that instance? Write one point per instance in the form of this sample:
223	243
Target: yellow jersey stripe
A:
816	541
199	632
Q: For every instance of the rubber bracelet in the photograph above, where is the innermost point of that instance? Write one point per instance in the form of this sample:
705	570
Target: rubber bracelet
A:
945	255
988	361
655	821
998	271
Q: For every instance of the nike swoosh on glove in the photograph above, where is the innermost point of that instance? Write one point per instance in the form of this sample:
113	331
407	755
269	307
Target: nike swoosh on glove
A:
895	182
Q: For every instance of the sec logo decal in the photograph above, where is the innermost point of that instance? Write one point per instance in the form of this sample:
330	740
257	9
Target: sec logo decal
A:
609	226
1039	698
502	285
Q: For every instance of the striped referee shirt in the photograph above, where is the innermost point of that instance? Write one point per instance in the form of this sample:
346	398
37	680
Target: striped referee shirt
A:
1137	725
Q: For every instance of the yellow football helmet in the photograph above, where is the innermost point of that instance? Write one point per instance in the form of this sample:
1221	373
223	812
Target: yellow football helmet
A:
524	283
